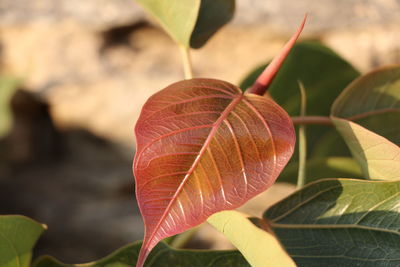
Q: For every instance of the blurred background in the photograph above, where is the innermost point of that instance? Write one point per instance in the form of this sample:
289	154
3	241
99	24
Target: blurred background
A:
74	75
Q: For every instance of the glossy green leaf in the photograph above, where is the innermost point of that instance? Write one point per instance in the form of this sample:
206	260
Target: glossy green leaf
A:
340	222
7	88
379	158
373	101
318	168
161	256
190	22
257	246
18	235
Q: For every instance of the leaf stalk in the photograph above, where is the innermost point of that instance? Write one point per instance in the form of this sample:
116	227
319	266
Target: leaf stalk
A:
304	120
301	177
186	61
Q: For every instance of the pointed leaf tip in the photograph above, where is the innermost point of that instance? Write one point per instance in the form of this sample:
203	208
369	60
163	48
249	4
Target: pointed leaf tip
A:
260	86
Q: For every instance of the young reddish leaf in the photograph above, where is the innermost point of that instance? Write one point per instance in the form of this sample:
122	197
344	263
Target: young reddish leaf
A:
203	146
264	80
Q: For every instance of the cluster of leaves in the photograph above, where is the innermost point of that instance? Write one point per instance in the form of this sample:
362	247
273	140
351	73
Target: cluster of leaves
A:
205	147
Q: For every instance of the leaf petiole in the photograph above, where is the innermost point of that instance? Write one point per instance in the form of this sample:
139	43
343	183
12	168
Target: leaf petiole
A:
302	139
186	61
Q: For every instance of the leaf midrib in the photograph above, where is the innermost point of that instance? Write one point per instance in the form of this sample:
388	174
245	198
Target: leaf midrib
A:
366	114
342	257
332	226
300	204
13	248
203	149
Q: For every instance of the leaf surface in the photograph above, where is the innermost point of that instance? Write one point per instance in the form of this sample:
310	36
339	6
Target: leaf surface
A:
213	14
259	247
18	235
190	22
161	256
340	222
373	101
379	158
319	168
202	147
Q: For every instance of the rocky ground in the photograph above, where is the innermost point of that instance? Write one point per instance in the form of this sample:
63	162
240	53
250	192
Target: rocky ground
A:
95	62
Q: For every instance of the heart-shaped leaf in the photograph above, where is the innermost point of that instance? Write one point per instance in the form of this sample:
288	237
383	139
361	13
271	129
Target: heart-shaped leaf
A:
373	101
18	235
379	158
257	246
190	22
340	222
161	256
203	146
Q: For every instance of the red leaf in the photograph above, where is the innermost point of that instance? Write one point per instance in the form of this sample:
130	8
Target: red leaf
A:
260	86
203	147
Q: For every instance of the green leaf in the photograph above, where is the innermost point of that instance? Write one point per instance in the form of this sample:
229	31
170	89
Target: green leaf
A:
190	22
18	235
323	73
7	88
161	256
213	15
373	101
318	168
257	246
340	222
379	158
178	18
330	143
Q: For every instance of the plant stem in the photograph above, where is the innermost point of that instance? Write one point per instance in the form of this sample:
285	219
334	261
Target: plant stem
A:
301	177
187	64
321	120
